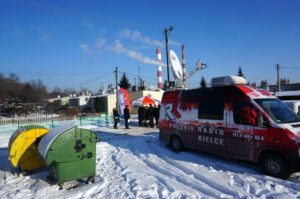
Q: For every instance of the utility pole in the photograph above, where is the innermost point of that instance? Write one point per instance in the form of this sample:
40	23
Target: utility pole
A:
117	104
278	80
139	78
135	84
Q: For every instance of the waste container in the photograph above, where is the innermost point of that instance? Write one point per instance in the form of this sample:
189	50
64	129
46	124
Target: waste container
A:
70	153
22	147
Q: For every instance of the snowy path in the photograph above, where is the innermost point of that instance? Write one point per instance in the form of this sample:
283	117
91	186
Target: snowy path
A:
138	165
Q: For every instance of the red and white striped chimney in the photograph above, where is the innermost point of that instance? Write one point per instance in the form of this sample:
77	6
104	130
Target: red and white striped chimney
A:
159	76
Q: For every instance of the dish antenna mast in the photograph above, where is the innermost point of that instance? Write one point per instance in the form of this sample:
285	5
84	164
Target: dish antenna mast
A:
180	81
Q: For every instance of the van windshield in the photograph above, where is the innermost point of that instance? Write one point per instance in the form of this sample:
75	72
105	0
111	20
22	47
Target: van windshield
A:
277	110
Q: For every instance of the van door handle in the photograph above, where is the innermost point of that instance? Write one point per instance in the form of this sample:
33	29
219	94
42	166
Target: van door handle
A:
221	127
236	129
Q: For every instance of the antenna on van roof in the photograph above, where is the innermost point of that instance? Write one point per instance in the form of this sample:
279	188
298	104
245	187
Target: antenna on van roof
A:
180	80
199	66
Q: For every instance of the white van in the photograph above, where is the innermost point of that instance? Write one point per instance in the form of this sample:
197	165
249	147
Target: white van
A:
294	105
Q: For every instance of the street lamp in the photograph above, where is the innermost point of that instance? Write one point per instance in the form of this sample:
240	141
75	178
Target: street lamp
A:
167	53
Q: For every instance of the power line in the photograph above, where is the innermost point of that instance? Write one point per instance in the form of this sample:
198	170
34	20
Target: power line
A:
91	80
287	67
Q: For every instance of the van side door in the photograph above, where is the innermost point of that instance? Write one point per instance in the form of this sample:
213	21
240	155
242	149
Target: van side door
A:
241	130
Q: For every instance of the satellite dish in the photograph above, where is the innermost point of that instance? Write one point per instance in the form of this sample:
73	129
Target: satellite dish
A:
176	66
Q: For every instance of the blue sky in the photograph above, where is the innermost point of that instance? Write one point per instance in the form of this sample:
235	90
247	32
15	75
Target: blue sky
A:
73	44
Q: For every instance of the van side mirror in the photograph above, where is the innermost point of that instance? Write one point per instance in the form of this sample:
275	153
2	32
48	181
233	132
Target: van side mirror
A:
260	120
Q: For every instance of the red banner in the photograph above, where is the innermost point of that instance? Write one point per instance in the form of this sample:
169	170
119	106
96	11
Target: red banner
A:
126	95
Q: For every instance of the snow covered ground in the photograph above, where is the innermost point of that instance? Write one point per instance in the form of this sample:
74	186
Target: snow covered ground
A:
133	163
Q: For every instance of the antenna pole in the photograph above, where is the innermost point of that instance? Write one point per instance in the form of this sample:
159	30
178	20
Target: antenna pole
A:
183	66
278	79
167	53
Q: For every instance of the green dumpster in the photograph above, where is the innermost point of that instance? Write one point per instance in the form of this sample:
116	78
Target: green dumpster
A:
70	153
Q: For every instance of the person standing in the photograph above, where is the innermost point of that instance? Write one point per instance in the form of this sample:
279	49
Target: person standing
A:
156	114
126	116
116	117
140	116
151	115
158	111
145	116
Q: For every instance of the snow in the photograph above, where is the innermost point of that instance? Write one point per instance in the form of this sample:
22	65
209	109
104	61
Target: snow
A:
133	163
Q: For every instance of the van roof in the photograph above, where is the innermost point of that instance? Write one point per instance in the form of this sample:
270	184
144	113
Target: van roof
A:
254	92
228	92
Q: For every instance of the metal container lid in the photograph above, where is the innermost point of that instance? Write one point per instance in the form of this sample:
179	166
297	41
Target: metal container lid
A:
48	139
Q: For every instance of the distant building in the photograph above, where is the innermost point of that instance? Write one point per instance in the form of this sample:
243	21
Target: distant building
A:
86	101
283	87
289	91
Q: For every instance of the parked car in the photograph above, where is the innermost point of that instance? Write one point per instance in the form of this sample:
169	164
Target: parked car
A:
294	105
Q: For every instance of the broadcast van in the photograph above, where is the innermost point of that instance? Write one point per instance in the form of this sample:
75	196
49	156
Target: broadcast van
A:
233	120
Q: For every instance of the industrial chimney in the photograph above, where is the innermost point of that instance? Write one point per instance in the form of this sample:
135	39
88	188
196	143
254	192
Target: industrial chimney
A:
159	73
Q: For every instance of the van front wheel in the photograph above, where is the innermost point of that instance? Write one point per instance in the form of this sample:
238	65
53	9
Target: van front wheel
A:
176	144
275	165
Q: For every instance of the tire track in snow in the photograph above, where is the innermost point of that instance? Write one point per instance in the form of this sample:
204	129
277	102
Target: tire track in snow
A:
175	172
218	187
132	182
211	183
245	182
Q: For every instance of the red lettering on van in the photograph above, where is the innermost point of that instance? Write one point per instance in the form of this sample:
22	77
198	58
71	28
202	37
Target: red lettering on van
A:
171	111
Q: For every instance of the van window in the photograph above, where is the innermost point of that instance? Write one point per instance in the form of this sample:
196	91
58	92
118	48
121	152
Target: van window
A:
244	113
211	110
277	110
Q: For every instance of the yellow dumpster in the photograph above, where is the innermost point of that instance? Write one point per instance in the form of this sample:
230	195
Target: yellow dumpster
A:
23	147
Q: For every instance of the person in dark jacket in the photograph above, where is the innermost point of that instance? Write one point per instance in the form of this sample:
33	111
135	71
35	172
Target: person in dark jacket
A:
140	115
146	116
126	116
116	117
158	111
156	114
151	116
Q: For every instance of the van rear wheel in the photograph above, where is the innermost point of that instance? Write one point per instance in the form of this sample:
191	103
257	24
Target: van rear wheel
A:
176	144
275	165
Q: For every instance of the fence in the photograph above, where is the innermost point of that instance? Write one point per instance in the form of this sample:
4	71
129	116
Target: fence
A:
82	120
34	120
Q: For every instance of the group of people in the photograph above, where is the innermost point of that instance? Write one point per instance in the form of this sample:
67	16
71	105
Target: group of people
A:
147	115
